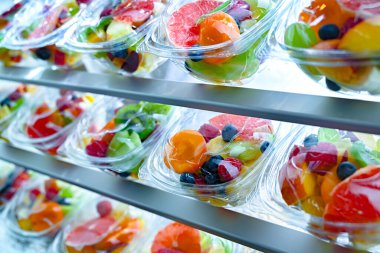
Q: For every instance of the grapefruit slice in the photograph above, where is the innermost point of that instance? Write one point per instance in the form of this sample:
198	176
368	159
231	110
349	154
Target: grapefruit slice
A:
177	237
48	25
356	199
134	12
182	28
90	233
369	7
246	125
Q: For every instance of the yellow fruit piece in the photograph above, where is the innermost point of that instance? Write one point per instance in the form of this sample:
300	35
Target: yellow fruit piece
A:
363	37
309	181
314	205
216	146
25	224
89	98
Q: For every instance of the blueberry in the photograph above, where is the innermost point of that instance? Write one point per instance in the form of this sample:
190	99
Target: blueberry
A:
196	56
212	164
43	53
332	85
6	101
187	178
120	54
264	146
229	132
345	170
132	62
212	179
329	32
311	140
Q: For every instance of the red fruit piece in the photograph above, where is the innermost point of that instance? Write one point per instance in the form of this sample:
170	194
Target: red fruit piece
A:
199	180
64	103
229	169
48	25
296	151
209	132
20	179
322	158
166	250
59	58
134	12
97	148
356	199
42	109
365	6
15	95
33	193
104	208
182	28
8	195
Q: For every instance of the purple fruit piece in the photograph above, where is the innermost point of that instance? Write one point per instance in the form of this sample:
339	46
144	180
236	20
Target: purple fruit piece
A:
349	24
64	102
131	64
83	1
15	95
322	158
106	12
240	4
97	148
240	14
209	132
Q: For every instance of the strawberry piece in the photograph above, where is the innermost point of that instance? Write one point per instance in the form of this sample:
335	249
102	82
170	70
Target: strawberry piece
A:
97	148
229	169
209	132
134	12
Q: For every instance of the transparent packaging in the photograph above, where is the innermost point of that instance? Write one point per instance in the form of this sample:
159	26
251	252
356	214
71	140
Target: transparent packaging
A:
41	207
112	30
325	181
213	157
335	42
48	119
45	25
104	226
9	11
13	102
215	41
12	178
118	134
169	236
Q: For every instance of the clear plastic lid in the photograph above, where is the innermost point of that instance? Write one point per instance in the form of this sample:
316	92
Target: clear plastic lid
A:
46	23
169	236
48	119
12	102
117	134
326	181
41	207
12	178
214	157
104	225
336	39
10	10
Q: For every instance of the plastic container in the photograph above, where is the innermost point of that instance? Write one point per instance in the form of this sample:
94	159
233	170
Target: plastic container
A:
47	121
40	209
12	103
335	44
176	237
213	157
193	34
103	226
46	24
326	181
118	134
112	30
12	178
8	12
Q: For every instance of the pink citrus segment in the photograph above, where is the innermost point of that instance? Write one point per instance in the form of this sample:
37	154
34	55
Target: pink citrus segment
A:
182	28
134	12
365	6
48	25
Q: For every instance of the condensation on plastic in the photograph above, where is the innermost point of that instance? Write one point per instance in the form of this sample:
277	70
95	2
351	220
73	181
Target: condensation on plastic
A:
352	70
88	213
21	201
8	172
215	243
16	132
243	63
100	115
231	193
100	50
358	235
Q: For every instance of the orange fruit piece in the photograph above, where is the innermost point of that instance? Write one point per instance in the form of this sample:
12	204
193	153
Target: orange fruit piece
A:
178	237
85	249
45	215
109	126
330	180
186	152
215	29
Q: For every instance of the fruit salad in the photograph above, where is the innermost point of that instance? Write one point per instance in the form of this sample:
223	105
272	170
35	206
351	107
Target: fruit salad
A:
113	30
118	134
46	124
336	42
213	159
104	226
12	103
46	26
42	207
12	179
9	57
331	179
214	40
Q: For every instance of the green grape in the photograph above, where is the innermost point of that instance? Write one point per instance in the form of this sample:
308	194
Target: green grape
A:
300	35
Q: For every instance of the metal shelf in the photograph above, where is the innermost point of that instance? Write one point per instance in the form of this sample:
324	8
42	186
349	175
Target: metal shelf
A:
249	231
334	112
